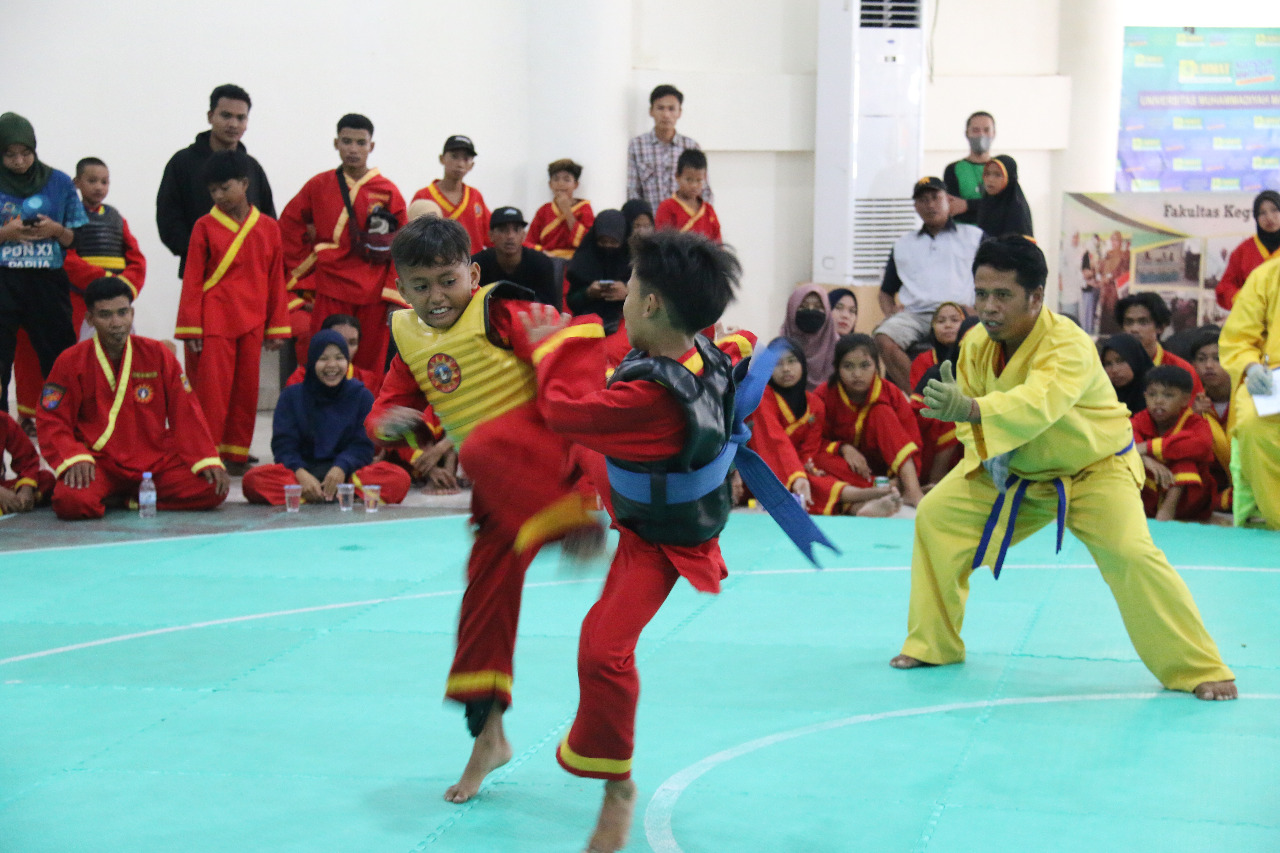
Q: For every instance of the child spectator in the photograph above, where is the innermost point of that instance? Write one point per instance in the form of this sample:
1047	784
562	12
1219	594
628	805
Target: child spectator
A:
686	210
117	406
233	295
1176	448
870	430
349	328
943	331
940	449
40	214
455	355
1215	405
336	235
651	157
104	246
844	310
638	215
1145	316
509	259
809	324
1126	362
458	201
1251	253
30	486
318	437
559	225
786	430
1004	209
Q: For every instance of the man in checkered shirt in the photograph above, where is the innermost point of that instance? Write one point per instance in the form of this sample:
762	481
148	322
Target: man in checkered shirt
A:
651	157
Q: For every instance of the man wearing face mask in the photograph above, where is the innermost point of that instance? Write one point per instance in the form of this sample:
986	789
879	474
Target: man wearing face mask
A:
964	177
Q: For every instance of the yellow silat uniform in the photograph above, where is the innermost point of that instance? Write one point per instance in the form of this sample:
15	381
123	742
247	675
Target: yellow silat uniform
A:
1070	444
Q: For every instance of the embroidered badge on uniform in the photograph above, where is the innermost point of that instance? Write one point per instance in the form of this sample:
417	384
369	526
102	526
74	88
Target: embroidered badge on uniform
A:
143	392
444	373
51	395
186	383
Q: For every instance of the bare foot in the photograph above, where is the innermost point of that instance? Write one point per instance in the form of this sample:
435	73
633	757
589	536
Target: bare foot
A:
908	662
490	752
881	507
614	823
1216	691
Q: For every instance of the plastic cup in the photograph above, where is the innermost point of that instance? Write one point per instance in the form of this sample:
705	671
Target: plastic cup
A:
346	497
372	497
292	498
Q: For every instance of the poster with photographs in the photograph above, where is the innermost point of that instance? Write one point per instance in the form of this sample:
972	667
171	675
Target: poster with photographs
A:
1175	244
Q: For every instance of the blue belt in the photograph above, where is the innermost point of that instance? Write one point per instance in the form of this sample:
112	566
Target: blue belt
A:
1019	492
686	486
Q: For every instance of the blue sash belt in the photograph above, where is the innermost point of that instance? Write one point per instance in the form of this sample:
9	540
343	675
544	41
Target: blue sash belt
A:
771	494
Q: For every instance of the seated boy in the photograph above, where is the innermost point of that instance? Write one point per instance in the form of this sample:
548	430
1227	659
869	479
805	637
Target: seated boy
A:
559	225
455	354
30	486
233	296
1215	405
686	210
1177	449
458	201
349	328
117	406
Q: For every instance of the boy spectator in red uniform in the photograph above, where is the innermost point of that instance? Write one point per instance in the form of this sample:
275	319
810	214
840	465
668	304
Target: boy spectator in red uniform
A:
559	225
345	262
1215	405
454	354
1145	316
870	430
349	328
1177	450
117	406
232	297
687	210
103	246
30	485
457	200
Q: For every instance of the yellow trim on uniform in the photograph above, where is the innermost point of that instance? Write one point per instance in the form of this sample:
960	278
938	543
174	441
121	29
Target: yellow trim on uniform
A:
233	250
296	303
1157	448
285	331
745	348
132	287
233	448
796	476
552	521
1187	477
112	263
906	451
415	456
26	481
694	216
592	765
447	206
834	498
72	460
207	462
198	331
225	221
560	217
948	436
471	682
340	225
121	390
390	294
834	447
26	410
551	344
303	269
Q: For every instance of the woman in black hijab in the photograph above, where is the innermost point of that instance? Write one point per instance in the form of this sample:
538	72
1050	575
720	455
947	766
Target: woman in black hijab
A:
1126	361
1003	209
600	269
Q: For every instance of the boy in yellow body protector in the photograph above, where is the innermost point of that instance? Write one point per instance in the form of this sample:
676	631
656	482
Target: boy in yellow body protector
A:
1249	348
1036	414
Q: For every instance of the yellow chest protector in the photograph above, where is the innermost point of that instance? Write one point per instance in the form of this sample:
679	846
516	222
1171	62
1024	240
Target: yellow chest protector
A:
467	378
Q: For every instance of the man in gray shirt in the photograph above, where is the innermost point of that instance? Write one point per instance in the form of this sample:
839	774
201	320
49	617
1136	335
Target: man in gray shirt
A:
652	156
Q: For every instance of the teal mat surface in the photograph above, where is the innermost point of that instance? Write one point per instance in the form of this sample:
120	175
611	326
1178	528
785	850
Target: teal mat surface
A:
281	691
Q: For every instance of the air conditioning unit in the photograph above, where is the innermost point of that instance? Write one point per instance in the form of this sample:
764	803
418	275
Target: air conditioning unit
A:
868	137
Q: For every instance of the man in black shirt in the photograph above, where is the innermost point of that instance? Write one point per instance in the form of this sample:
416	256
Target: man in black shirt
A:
183	197
510	260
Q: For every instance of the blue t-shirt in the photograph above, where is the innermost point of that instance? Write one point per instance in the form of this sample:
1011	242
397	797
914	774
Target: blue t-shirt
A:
57	200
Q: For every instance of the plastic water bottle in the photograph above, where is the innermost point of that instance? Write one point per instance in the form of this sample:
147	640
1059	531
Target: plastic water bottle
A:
147	497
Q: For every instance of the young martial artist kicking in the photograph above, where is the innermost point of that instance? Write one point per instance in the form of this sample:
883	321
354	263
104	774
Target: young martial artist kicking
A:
1043	433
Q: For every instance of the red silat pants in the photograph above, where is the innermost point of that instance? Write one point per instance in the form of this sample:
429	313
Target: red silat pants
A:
521	498
27	378
224	375
374	331
176	488
600	743
264	484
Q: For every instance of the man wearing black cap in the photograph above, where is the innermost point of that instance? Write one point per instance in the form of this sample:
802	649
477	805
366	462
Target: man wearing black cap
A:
925	269
510	260
457	200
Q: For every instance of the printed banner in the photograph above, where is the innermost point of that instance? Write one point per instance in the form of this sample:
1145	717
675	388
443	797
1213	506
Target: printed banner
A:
1176	244
1199	110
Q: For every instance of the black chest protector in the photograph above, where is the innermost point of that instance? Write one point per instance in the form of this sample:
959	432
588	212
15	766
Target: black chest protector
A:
707	402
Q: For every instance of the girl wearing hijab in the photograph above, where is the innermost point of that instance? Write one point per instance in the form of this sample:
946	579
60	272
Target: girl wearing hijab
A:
809	324
41	211
318	437
940	450
1126	361
1249	255
1003	209
944	331
844	310
786	430
639	217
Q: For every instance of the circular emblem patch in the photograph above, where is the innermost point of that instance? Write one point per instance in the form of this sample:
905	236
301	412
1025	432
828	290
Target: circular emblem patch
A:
444	373
143	393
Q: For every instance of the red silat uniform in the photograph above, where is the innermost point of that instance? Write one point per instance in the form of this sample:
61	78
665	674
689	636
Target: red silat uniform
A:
674	213
233	294
130	418
470	212
1168	359
786	443
1187	448
935	436
329	271
23	461
1218	428
883	429
549	232
1245	258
